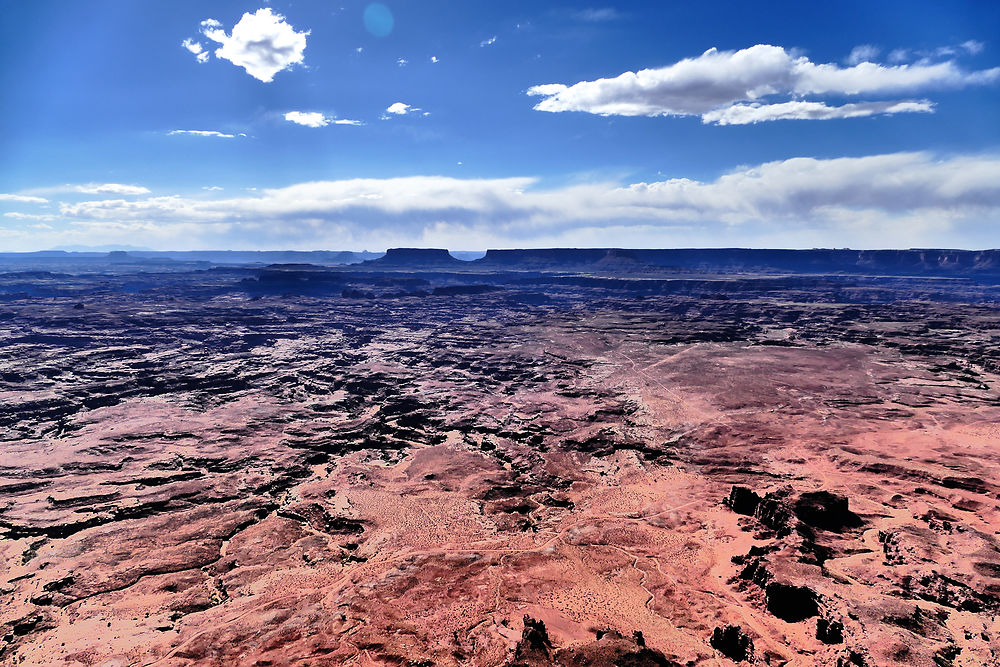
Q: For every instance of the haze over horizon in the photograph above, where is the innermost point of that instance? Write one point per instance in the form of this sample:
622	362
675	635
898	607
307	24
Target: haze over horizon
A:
359	125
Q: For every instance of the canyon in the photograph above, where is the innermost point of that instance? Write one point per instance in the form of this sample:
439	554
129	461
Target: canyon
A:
538	457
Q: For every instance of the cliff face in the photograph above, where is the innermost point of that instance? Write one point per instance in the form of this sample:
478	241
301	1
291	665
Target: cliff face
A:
415	257
892	262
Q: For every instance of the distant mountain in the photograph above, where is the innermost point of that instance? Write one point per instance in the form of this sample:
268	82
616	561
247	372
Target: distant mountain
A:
264	257
318	257
134	260
99	248
928	262
415	258
934	262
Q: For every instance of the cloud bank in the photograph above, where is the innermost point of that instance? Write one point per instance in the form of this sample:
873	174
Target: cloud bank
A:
262	43
893	200
721	85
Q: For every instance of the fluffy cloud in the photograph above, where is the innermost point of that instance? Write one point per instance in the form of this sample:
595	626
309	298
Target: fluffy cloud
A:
902	199
261	43
22	199
111	189
873	78
399	109
307	118
203	133
716	80
200	54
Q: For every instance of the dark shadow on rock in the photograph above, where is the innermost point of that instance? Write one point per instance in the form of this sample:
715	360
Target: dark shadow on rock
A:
733	643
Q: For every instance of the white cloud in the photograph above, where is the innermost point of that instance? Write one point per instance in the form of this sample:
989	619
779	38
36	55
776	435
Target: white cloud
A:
973	46
204	133
212	188
317	119
895	200
399	109
717	80
261	43
863	53
743	114
970	47
873	78
489	42
434	59
897	56
111	189
307	118
200	54
402	62
15	215
22	199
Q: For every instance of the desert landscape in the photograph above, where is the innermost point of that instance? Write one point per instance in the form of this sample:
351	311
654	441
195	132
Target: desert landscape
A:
535	458
376	333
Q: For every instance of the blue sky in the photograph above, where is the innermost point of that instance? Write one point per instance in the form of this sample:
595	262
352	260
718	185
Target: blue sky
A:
521	124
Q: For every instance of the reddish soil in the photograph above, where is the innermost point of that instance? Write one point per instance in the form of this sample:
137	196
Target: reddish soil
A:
474	479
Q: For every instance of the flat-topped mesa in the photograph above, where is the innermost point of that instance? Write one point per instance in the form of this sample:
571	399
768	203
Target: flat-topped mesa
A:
415	257
536	257
934	262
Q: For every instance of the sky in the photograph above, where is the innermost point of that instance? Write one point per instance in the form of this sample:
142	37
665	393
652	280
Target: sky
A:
312	124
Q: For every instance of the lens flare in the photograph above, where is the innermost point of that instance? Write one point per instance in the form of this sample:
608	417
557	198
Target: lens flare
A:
378	19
